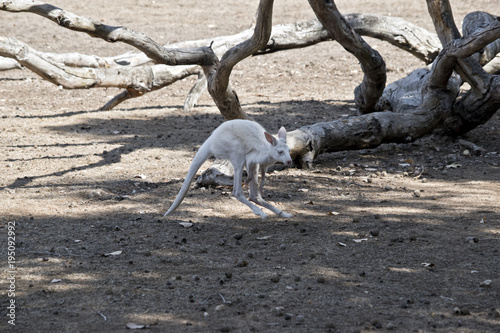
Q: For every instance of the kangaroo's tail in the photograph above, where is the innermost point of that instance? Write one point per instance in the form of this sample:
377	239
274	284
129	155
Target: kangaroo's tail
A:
201	156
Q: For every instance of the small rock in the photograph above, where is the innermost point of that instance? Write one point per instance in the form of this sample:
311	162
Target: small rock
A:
220	307
279	311
275	278
254	230
288	316
241	263
300	319
494	313
461	311
374	233
388	187
228	275
390	326
417	193
320	279
330	326
225	329
238	236
377	324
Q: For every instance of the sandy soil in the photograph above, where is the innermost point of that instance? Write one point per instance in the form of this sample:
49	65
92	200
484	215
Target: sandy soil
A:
399	238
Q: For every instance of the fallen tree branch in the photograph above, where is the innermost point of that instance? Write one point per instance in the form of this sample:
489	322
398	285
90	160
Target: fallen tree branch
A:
140	79
112	34
7	64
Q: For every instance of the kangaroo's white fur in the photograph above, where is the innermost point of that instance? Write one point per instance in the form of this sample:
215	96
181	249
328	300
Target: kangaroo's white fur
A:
244	143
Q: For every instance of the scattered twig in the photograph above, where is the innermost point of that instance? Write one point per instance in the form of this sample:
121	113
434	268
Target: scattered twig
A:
419	175
103	316
224	300
473	147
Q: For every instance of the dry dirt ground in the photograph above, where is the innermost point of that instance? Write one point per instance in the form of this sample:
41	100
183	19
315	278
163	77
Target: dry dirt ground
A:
399	238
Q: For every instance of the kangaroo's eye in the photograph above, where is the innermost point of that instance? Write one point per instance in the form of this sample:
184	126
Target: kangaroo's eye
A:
280	152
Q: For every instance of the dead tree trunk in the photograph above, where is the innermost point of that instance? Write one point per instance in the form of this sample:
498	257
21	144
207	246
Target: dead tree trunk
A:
419	103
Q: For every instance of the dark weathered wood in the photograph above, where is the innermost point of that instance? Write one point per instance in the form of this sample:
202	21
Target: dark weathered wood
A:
476	22
372	64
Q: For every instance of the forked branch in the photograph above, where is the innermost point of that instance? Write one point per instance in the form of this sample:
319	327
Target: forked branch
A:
218	73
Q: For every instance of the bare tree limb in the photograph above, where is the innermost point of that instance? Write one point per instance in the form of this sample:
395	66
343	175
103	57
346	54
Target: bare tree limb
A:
195	92
398	32
372	64
218	73
476	22
141	79
108	33
7	64
469	70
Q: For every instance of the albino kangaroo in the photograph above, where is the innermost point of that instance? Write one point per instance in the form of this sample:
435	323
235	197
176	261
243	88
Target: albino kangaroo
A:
244	143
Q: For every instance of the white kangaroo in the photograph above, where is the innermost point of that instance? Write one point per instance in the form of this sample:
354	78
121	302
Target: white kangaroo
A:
244	143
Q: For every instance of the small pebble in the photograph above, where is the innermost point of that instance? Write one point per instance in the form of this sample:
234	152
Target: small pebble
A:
374	233
238	236
241	263
279	311
320	279
300	319
275	278
377	324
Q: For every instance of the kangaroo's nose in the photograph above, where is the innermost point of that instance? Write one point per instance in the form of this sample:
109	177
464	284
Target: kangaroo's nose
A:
289	162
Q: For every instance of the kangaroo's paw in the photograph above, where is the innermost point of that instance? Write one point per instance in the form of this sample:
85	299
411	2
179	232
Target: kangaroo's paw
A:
285	215
259	212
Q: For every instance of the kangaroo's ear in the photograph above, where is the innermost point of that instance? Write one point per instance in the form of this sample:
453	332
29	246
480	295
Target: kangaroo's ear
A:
270	139
282	134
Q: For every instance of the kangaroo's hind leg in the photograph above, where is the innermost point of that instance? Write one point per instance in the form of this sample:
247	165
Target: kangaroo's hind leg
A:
238	191
255	193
